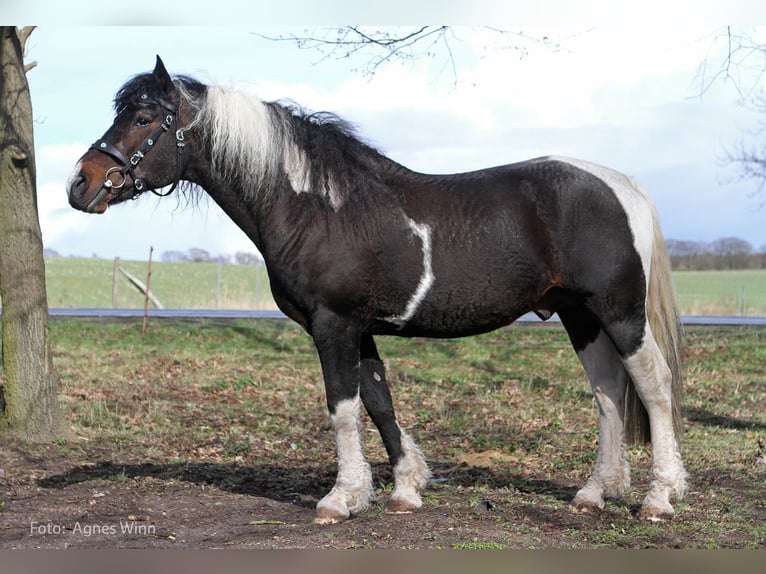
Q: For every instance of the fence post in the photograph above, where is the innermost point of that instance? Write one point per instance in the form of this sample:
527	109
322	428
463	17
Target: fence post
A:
218	285
115	283
741	298
257	287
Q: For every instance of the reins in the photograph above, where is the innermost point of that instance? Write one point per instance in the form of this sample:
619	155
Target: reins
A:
126	167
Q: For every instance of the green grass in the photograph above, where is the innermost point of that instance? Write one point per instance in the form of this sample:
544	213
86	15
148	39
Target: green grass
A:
721	292
88	283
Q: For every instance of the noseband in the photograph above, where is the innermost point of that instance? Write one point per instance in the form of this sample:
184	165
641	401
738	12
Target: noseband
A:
126	167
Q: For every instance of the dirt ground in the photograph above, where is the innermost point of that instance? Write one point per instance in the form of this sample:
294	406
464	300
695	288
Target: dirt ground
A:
49	502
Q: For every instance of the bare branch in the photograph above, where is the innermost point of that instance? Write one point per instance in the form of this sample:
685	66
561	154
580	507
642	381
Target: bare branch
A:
23	35
382	46
743	65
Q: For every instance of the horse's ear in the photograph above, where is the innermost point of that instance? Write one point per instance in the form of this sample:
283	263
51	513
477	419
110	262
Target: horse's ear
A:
162	76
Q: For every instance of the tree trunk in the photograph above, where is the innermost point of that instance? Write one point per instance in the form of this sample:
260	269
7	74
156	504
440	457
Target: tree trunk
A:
28	401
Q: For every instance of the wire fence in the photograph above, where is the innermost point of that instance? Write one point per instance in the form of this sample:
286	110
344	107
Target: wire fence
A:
740	293
98	283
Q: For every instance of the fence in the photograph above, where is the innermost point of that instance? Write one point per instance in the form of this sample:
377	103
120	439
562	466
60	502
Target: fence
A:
90	283
103	284
201	286
740	293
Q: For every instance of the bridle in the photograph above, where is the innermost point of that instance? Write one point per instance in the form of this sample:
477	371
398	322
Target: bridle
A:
126	167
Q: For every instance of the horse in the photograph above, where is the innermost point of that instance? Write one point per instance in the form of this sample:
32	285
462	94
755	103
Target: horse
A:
357	246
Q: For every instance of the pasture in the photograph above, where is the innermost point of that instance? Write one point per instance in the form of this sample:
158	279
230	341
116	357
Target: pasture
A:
215	434
741	292
88	283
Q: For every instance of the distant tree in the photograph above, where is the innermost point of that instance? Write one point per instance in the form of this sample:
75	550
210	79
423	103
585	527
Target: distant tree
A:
198	255
49	253
683	253
732	251
245	258
29	397
174	256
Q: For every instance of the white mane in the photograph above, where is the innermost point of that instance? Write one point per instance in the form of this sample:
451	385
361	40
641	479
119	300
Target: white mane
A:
252	144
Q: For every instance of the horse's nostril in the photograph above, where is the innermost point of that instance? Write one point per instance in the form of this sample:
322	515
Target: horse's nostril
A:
78	186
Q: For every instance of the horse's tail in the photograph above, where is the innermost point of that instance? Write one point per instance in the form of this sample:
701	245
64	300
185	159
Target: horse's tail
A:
665	324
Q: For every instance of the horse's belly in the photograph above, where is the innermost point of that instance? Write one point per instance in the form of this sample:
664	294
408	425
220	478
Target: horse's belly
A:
445	318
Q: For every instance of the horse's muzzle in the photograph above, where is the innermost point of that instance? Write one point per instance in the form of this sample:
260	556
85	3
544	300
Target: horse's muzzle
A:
79	198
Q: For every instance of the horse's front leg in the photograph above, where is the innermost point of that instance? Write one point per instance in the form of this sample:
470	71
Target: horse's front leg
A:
411	471
338	341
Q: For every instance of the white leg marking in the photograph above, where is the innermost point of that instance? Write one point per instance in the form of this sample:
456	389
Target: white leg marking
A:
353	487
411	475
423	231
652	378
608	378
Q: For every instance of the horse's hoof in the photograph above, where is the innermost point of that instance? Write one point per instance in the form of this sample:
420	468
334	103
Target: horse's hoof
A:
325	516
585	505
400	506
656	514
331	515
403	501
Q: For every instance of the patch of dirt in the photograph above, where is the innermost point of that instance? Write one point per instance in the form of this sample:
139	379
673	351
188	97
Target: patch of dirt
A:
47	501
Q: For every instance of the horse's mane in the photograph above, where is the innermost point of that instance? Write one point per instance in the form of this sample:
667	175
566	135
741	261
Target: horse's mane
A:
257	144
128	97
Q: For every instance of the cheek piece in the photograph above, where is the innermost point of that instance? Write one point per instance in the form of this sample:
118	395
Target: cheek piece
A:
126	167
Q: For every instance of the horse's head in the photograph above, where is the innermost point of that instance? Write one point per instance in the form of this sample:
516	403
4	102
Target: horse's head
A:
134	155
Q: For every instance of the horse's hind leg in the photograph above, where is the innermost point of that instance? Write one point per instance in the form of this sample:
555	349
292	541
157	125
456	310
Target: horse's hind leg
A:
409	465
608	379
653	381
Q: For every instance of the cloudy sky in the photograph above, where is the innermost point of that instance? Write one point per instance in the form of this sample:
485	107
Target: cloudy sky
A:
623	93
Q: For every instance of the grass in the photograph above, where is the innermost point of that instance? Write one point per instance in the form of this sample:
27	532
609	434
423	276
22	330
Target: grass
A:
511	409
88	283
721	292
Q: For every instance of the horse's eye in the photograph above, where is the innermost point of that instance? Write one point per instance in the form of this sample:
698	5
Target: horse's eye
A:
142	122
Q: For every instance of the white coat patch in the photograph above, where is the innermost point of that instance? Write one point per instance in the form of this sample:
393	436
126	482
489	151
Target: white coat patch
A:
423	231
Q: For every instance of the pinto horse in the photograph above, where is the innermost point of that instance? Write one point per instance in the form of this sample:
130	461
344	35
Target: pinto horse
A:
357	245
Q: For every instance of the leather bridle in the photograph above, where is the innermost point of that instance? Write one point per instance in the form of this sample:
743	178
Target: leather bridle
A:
126	166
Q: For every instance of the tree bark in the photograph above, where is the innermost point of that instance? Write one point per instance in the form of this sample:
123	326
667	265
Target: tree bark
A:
29	399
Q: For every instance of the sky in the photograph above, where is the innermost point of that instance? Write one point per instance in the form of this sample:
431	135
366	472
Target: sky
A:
624	93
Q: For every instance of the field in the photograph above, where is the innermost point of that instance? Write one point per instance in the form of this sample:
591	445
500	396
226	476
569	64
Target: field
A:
88	283
721	292
215	434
